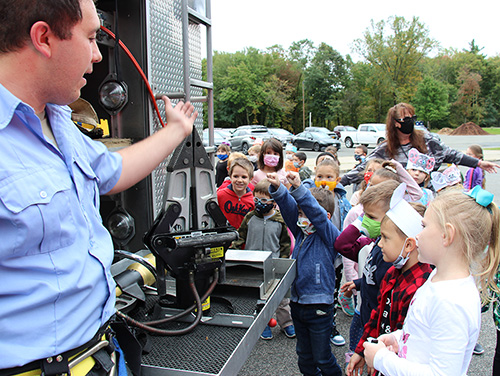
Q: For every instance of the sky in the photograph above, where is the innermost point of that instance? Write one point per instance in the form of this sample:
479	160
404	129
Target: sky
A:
238	24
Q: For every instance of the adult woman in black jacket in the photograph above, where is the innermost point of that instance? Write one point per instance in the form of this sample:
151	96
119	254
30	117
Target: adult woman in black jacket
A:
401	137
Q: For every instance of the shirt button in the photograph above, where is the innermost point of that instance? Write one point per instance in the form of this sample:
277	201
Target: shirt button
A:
43	194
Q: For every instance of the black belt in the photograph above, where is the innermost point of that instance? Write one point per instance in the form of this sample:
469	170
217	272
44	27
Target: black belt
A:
59	364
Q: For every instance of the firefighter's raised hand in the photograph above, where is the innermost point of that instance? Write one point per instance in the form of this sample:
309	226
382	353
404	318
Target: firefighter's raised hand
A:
181	117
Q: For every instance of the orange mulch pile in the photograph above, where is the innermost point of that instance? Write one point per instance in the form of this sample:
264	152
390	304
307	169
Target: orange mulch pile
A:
469	129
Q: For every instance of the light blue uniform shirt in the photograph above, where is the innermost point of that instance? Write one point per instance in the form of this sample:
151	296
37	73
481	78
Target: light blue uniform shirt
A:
56	289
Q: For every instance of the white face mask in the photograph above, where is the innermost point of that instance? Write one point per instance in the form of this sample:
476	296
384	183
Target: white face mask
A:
305	225
252	158
401	261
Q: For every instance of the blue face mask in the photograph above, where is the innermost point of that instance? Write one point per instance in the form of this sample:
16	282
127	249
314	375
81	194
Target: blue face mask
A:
296	164
401	261
222	157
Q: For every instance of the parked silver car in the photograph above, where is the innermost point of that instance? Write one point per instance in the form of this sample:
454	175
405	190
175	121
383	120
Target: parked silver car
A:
246	136
281	134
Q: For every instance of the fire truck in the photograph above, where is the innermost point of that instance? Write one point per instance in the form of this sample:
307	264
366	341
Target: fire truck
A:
203	305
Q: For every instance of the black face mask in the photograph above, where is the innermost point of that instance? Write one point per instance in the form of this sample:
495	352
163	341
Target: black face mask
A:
263	208
407	124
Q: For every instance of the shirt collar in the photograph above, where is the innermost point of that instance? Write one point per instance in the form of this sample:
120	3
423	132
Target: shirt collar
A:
9	103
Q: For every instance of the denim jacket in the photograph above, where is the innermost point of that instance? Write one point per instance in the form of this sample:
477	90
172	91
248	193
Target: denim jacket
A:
314	253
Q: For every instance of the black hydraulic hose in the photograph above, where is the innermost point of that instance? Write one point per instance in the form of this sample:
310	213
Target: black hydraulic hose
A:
137	258
189	309
147	325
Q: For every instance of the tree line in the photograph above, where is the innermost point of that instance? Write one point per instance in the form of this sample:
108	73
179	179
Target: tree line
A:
280	88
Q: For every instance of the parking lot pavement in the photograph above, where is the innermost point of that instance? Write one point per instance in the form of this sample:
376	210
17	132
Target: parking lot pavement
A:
277	357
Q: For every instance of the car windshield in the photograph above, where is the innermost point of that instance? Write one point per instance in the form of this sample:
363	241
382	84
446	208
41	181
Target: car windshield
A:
380	127
350	129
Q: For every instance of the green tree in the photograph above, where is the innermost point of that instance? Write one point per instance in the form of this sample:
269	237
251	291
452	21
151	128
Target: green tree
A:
324	82
431	102
468	102
396	48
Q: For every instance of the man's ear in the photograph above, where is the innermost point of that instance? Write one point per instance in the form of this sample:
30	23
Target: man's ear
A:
41	37
329	215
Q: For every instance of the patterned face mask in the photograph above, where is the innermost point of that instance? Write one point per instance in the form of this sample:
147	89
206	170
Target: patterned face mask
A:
305	225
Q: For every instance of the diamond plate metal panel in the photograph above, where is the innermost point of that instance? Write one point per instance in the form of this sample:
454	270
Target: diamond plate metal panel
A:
165	52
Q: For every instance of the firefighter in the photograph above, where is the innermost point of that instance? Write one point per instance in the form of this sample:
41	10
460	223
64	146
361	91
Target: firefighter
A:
56	290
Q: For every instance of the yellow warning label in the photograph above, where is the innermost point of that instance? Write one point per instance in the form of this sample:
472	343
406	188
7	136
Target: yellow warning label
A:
206	304
217	252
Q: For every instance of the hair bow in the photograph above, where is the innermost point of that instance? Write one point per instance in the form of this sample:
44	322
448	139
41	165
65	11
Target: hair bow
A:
419	161
482	196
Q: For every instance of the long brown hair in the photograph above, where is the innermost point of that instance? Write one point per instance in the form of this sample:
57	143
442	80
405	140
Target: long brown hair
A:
417	139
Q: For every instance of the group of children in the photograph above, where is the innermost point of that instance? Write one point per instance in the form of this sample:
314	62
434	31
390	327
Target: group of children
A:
417	308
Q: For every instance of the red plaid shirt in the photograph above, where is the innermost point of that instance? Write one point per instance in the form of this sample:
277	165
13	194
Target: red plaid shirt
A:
396	291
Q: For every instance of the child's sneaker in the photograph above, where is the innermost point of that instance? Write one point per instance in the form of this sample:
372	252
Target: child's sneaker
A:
289	331
478	349
336	338
347	304
267	334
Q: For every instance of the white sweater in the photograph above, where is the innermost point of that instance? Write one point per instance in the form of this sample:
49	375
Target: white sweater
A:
439	332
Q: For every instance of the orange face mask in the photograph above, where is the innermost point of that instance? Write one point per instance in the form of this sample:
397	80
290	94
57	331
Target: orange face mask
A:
329	184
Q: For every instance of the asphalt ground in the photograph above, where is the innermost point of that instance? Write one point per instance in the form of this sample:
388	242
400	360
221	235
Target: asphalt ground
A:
277	357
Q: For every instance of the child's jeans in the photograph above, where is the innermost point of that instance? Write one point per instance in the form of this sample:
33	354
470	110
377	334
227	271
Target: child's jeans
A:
313	327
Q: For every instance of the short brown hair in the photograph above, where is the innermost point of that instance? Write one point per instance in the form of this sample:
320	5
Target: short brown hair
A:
262	187
379	194
325	198
224	147
18	16
327	162
243	163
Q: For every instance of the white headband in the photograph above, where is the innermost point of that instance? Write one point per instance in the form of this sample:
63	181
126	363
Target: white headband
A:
403	215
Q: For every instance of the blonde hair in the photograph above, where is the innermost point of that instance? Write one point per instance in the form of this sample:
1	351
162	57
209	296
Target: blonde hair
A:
254	149
478	226
232	157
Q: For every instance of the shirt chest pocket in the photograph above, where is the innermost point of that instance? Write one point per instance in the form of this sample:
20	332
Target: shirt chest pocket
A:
87	183
37	215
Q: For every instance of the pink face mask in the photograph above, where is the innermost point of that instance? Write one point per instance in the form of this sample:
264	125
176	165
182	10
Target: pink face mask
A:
271	160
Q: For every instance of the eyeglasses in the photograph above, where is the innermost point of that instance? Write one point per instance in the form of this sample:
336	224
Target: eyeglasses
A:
407	118
264	201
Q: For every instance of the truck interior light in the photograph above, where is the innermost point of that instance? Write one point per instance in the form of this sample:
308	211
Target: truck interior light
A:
121	226
113	95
